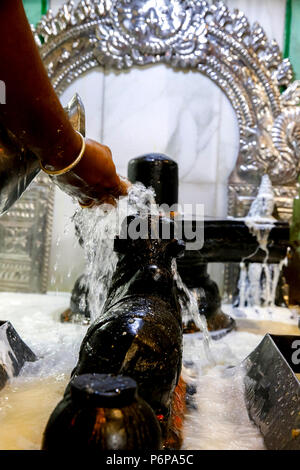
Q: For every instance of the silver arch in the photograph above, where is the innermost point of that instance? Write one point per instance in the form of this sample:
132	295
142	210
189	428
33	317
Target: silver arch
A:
198	35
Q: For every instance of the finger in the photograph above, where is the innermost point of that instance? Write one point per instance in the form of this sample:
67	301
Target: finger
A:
121	189
124	187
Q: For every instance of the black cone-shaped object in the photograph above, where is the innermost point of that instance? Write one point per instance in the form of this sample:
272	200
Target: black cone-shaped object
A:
158	171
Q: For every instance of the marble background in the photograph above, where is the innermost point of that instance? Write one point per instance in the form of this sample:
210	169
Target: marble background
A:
157	109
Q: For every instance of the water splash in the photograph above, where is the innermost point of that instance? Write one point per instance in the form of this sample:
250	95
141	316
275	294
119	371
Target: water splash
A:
259	219
190	311
96	229
258	281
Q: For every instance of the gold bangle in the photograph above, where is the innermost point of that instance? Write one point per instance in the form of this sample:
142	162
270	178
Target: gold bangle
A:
69	167
89	204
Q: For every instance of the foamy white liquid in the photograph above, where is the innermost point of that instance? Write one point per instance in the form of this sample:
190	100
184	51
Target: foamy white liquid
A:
98	228
6	353
221	421
190	311
28	400
276	314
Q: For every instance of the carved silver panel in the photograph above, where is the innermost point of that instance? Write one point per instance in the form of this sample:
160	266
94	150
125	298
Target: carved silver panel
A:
195	35
25	233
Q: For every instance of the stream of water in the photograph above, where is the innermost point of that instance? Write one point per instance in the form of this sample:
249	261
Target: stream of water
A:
97	228
258	281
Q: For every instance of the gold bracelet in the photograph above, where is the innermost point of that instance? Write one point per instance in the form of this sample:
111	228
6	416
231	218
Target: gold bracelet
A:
89	204
69	167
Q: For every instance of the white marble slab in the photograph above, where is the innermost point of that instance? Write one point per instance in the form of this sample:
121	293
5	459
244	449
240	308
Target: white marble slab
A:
55	4
160	110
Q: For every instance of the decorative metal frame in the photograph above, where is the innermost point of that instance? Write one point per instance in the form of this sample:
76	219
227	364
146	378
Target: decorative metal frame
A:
25	233
196	35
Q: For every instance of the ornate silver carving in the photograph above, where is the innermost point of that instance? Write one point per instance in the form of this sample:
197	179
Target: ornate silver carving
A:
196	35
25	232
189	34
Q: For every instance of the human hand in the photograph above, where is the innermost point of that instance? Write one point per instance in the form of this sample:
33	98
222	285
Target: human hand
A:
94	179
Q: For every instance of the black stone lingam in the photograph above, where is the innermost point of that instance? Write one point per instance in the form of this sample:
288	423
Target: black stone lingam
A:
158	171
161	173
225	240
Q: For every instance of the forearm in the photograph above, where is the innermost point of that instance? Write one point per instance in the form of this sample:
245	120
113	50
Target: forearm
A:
35	116
32	110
